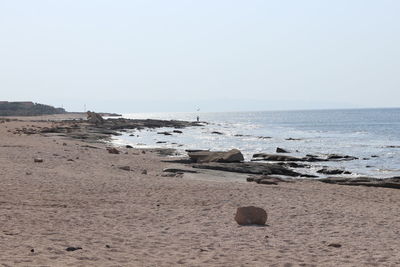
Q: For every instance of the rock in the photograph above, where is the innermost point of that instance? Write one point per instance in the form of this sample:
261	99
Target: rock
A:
313	158
164	133
177	175
28	173
332	171
64	144
267	179
393	182
108	246
281	150
94	118
292	164
112	150
215	132
166	152
248	167
195	150
308	176
264	137
274	157
340	157
293	139
129	146
251	215
144	172
233	155
161	142
284	158
38	160
176	170
72	248
177	131
335	245
125	168
32	250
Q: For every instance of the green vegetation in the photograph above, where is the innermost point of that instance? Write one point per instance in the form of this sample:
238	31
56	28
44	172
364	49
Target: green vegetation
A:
27	109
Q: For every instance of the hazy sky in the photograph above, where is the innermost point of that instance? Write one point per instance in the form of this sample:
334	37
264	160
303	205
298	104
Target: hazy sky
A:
217	55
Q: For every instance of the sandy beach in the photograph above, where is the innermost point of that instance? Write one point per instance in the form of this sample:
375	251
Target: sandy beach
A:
79	197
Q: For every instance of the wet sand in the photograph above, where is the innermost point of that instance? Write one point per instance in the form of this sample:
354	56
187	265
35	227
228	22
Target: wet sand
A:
78	197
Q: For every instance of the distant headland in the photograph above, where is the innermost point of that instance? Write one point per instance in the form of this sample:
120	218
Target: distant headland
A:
27	108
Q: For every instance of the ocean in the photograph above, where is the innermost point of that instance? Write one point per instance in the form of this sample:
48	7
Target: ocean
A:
372	135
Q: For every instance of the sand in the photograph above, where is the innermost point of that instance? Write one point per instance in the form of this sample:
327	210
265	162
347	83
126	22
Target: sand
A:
78	197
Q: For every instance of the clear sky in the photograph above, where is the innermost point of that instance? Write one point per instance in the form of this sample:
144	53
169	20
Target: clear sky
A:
133	56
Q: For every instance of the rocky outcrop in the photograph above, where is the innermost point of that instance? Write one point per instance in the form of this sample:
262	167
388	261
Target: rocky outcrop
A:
274	157
251	215
233	155
92	132
393	182
340	157
94	118
248	167
307	158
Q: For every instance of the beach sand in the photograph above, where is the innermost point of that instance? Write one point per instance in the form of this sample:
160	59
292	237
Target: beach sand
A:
78	197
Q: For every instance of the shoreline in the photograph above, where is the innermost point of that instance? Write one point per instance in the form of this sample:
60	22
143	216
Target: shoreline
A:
80	197
375	149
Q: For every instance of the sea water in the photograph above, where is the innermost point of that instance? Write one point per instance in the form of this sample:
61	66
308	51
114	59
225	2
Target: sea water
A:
372	135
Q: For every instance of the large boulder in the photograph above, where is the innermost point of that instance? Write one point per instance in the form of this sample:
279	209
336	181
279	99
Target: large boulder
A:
233	155
94	118
251	215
